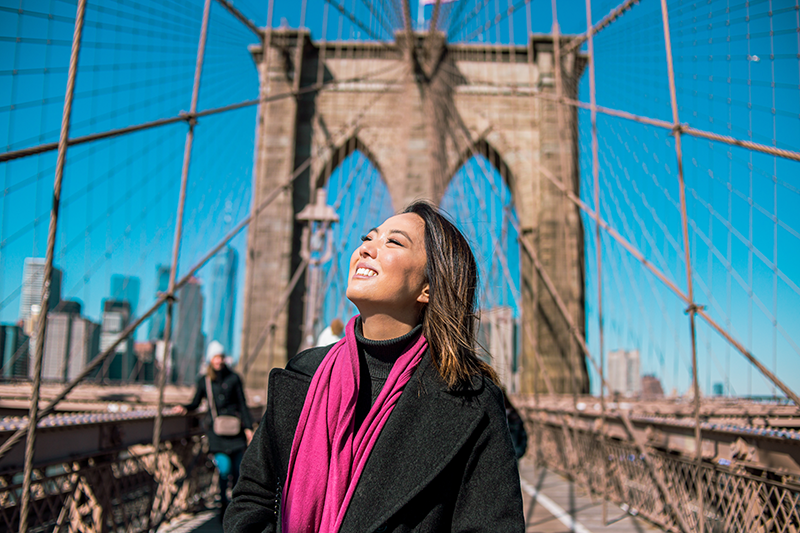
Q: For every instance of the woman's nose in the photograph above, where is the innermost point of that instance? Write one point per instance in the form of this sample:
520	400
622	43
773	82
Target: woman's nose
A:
367	249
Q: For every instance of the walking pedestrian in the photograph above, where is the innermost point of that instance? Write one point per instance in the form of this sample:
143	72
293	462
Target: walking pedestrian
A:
229	422
400	425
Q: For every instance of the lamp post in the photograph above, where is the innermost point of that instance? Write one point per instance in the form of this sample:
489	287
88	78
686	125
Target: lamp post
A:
316	249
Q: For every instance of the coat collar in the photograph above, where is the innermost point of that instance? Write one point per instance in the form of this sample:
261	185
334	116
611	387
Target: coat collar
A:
408	454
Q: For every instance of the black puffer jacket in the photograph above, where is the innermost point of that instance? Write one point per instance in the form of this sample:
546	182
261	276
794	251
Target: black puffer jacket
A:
229	399
443	462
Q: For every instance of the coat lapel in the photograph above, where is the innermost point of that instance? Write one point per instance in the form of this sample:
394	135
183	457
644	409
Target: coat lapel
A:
422	435
288	393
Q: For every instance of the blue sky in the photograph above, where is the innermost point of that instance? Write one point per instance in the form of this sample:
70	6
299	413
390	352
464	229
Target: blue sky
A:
120	195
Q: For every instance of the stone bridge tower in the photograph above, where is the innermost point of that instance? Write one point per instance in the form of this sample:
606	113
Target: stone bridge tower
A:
418	118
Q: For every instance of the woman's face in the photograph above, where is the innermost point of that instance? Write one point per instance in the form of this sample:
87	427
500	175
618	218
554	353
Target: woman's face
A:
387	272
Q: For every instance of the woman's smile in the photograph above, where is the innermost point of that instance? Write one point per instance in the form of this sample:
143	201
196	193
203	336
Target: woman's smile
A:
387	272
364	271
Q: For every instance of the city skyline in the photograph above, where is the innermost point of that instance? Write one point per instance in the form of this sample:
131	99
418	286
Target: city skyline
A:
74	337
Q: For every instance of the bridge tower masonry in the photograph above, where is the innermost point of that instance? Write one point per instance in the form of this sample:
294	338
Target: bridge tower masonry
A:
418	118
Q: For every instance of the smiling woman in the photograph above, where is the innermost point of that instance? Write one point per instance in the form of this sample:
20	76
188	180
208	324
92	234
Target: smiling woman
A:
350	442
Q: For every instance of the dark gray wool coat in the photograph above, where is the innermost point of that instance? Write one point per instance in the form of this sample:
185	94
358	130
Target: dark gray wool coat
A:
444	461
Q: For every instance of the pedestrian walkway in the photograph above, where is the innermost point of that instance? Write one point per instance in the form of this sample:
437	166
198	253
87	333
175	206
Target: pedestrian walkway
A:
552	505
555	505
204	522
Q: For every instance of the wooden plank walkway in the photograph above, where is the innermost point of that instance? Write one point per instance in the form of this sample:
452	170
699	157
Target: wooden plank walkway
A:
556	505
552	505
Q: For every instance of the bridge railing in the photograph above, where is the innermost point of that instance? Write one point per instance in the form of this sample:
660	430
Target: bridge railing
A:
749	476
98	472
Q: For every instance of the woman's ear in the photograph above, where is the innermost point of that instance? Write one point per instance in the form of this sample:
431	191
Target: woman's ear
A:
424	296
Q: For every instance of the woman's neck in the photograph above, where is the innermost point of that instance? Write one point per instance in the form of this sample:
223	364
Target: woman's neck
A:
380	327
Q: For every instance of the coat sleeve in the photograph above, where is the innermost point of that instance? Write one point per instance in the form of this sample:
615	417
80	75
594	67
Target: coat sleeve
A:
253	508
199	394
490	498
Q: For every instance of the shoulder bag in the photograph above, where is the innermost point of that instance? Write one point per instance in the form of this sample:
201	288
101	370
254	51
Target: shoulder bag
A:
225	425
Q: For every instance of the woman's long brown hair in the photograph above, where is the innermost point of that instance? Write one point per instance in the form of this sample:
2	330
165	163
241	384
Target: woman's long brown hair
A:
449	318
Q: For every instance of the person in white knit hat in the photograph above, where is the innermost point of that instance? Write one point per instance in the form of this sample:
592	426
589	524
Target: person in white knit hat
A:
222	386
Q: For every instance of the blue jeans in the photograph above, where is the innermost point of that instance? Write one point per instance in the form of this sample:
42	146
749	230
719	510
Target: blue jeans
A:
227	465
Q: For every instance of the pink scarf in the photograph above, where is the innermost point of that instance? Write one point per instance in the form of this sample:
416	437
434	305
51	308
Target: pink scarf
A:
327	455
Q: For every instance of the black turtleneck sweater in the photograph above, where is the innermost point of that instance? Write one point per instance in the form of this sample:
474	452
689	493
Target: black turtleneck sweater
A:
376	359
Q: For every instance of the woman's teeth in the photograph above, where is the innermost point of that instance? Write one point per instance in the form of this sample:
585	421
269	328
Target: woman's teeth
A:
365	272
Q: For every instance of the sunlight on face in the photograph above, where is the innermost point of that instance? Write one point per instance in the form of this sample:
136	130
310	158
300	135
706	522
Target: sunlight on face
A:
388	270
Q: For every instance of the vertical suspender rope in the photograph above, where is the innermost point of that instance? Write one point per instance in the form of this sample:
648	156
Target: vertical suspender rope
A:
599	254
692	307
41	326
176	246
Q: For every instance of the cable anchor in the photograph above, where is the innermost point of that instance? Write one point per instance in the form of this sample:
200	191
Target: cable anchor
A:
694	308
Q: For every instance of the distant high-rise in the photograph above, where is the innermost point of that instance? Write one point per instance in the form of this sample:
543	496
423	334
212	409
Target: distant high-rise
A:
13	351
116	317
623	372
189	341
32	281
651	387
145	361
84	345
56	346
223	298
159	318
70	343
496	335
126	288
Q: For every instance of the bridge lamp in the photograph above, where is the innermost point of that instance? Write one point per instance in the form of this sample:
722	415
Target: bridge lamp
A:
316	249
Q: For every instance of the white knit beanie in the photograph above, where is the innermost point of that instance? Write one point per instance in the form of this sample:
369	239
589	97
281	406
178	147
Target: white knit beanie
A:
214	349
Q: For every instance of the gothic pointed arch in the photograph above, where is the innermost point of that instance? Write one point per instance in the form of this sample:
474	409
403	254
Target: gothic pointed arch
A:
483	147
353	144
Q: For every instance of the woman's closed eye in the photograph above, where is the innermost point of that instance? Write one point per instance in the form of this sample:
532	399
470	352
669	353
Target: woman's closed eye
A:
365	238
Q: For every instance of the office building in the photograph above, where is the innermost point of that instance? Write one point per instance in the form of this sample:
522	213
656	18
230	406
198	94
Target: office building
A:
70	343
496	334
623	372
651	387
31	298
159	317
223	298
14	346
84	346
126	289
116	317
145	362
189	341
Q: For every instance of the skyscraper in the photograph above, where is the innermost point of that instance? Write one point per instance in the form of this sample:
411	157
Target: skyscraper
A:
496	335
189	341
145	361
14	348
223	298
623	372
126	288
32	281
159	318
84	345
70	342
116	317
